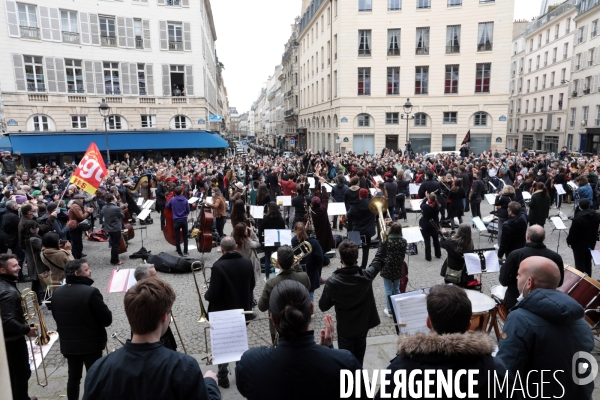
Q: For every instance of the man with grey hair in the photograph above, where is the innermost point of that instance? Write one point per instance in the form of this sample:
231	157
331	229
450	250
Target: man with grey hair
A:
231	287
534	247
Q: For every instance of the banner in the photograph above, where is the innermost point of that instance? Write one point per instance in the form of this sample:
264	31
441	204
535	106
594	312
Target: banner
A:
90	171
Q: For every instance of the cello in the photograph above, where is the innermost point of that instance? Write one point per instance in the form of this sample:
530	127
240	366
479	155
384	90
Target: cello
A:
204	240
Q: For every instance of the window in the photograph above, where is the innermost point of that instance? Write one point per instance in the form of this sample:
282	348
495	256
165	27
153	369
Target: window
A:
28	21
173	2
535	88
452	39
421	80
525	125
149	121
482	78
40	123
34	73
554	54
539	40
393	80
558	124
364	81
74	76
556	29
393	42
423	4
422	47
448	142
420	119
142	79
586	111
450	117
364	43
551	144
594	28
550	102
180	122
545	59
115	122
364	5
394	5
454	3
70	30
537	64
527	142
107	32
175	36
581	34
138	32
485	36
566	51
573	116
480	119
597	116
451	83
392	118
591	56
79	121
364	120
111	79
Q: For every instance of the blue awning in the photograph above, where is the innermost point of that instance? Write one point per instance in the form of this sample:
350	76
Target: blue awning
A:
5	144
51	143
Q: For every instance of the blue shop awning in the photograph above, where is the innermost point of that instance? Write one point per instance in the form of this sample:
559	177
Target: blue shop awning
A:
5	144
52	143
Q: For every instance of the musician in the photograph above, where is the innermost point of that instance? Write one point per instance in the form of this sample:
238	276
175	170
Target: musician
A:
219	208
430	185
351	195
350	291
502	200
81	318
144	368
288	186
393	270
247	244
161	194
515	228
77	213
391	188
314	261
231	287
272	181
477	194
449	348
272	220
14	327
539	206
338	193
113	224
299	204
456	247
320	219
456	202
265	373
544	331
430	209
362	220
583	235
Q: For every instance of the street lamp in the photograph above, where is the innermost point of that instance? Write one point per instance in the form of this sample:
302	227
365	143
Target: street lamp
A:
104	110
407	116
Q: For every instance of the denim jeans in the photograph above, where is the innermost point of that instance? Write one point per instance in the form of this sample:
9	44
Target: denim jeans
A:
392	287
75	364
312	295
392	211
181	224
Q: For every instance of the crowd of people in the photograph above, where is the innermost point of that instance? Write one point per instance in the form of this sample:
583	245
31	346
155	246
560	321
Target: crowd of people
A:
44	220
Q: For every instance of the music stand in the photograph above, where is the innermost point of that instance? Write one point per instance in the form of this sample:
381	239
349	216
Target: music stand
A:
480	226
558	226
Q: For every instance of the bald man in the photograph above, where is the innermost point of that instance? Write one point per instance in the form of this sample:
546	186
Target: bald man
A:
543	332
533	247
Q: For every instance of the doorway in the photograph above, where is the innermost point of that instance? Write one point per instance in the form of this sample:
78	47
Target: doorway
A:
391	142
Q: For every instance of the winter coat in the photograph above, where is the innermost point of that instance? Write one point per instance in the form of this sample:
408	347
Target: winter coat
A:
295	273
10	226
161	197
584	230
429	186
539	208
429	213
313	262
338	191
113	217
361	219
392	190
33	249
57	226
13	321
513	235
455	261
455	203
321	223
270	223
56	259
248	250
586	192
501	204
396	252
351	196
543	332
477	191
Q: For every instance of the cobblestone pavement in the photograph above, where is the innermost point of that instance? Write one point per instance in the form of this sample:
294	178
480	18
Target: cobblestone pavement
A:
186	309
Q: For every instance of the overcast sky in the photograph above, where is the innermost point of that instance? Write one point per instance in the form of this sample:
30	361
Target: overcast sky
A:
251	36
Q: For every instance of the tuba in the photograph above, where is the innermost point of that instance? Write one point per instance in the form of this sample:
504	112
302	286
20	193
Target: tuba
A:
31	310
203	314
305	249
377	206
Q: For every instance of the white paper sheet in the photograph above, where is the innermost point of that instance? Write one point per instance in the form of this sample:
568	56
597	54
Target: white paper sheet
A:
284	200
412	311
149	203
336	209
479	224
328	187
193	200
526	196
558	223
228	336
572	185
473	263
120	281
378	178
491	262
257	212
559	188
144	214
140	201
403	295
414	188
415	205
283	236
311	182
412	234
373	191
45	349
209	200
347	178
596	256
491	199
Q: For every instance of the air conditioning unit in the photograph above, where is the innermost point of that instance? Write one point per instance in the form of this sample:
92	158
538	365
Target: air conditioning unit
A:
584	122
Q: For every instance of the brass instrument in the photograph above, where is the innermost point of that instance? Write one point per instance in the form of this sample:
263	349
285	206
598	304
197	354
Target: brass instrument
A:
116	337
203	314
31	310
305	249
178	334
377	206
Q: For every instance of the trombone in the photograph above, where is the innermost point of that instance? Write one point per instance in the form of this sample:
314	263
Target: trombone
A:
31	310
377	206
203	314
305	249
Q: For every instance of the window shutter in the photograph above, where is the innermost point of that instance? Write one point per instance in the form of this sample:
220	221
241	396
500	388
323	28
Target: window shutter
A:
189	80
84	22
573	63
580	93
130	35
125	78
584	33
133	79
583	60
55	24
164	42
99	75
89	77
185	3
146	29
166	80
187	37
95	29
11	18
597	55
46	31
19	72
61	78
150	79
50	74
161	2
121	32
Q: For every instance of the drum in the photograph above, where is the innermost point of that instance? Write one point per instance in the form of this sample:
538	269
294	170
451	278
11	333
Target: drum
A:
585	290
481	306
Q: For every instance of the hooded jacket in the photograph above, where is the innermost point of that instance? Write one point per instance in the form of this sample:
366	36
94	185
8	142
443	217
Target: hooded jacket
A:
338	192
543	332
351	196
180	206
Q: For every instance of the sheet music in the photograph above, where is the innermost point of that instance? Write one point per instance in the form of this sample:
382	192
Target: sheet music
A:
479	224
149	203
228	336
347	178
413	188
311	182
209	200
144	214
404	295
378	178
283	236
412	234
140	201
257	212
526	196
121	280
491	261
415	205
192	200
558	223
284	200
336	208
596	256
559	189
572	185
412	311
373	191
328	186
491	199
473	263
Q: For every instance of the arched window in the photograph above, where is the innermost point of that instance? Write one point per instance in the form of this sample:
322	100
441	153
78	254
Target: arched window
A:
329	122
480	118
420	119
180	122
363	120
40	123
323	122
335	121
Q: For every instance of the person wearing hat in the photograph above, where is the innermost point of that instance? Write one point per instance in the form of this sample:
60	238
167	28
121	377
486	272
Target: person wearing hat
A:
77	213
362	220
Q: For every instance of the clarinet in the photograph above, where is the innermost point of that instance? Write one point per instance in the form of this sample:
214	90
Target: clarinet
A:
438	230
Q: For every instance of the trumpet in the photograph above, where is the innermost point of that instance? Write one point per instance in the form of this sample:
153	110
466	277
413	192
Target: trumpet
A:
31	310
305	249
203	314
377	206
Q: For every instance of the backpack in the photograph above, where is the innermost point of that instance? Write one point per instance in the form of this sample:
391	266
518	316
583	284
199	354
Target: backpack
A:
332	173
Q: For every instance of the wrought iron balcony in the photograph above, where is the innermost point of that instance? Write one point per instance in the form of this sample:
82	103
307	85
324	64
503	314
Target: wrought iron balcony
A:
70	37
30	32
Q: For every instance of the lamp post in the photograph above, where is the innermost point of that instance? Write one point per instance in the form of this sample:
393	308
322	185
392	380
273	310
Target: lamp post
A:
407	116
104	110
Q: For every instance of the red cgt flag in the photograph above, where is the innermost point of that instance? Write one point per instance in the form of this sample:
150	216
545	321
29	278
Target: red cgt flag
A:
90	171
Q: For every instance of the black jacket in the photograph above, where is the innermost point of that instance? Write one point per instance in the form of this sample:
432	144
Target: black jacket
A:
501	204
113	217
231	283
148	371
428	186
299	208
429	213
508	272
361	219
513	235
392	189
10	226
13	322
338	191
297	369
313	261
584	230
477	191
351	196
81	316
350	290
455	261
161	196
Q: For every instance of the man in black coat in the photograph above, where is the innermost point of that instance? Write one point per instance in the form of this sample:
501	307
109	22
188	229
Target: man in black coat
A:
430	185
582	236
534	247
10	226
231	287
362	220
350	291
337	192
81	318
466	182
513	231
477	194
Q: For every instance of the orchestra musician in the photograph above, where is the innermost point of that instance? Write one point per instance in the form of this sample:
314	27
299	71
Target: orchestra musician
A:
219	208
314	261
181	210
320	219
113	223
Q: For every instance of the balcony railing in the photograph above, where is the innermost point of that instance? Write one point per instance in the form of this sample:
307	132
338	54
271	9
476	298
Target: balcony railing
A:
70	37
139	43
289	112
175	46
30	32
75	88
453	49
108	41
